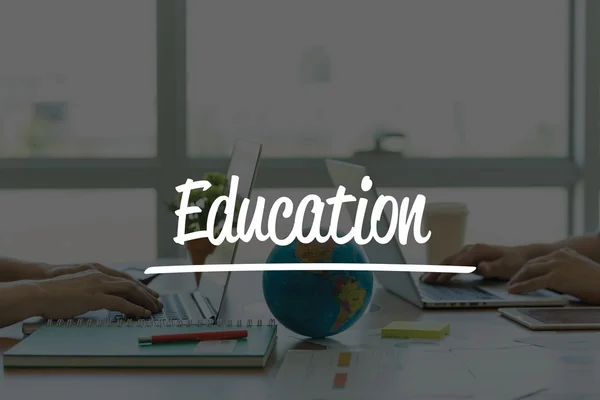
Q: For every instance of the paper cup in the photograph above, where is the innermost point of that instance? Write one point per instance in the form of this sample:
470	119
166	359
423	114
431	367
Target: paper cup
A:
447	223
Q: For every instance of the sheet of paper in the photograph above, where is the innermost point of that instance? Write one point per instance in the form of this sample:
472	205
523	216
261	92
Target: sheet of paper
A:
322	375
557	370
371	340
564	341
575	395
516	361
480	343
467	335
12	332
215	347
331	375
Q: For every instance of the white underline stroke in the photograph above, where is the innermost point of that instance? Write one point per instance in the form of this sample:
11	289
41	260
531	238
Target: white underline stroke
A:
182	269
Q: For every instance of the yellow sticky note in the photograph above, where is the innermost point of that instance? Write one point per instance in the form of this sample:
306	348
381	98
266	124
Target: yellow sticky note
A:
344	359
415	330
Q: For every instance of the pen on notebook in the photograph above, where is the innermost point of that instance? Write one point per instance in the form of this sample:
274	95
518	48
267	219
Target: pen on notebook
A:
194	337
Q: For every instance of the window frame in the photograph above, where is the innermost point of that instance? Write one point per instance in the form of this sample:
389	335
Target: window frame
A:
578	172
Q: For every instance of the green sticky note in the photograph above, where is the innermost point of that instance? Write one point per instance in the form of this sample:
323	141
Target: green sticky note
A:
415	330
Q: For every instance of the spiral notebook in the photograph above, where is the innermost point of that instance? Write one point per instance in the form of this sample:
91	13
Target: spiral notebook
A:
104	345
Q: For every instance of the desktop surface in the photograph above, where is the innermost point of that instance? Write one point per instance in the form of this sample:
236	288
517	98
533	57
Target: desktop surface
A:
244	301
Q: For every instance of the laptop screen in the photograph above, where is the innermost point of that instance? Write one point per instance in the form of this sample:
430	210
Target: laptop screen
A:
243	163
350	176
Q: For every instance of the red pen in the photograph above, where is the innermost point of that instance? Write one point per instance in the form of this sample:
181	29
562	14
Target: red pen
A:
194	337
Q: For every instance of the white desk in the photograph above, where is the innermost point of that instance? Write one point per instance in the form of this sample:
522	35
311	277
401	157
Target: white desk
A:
244	301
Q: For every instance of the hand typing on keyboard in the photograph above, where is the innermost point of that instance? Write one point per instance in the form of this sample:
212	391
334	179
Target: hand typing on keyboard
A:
53	271
68	296
31	289
570	267
499	262
173	309
565	271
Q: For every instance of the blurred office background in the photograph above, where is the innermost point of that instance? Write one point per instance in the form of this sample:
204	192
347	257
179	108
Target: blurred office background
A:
106	106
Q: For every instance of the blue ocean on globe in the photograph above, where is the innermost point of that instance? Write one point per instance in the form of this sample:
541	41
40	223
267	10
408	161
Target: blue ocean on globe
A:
317	304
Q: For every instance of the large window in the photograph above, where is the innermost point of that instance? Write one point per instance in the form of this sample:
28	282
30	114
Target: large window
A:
312	78
112	104
77	78
65	226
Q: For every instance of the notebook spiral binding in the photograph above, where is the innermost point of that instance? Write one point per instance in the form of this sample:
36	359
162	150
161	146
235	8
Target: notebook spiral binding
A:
141	323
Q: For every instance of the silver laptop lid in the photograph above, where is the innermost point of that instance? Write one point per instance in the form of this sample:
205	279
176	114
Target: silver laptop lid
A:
213	285
350	176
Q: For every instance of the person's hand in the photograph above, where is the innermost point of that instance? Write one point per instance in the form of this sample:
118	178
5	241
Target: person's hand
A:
498	262
53	271
68	296
564	271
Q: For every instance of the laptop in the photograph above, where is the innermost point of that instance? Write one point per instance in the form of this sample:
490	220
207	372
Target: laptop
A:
205	303
463	292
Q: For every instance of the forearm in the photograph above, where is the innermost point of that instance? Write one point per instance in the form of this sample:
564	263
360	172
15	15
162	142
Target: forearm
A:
15	270
18	301
588	245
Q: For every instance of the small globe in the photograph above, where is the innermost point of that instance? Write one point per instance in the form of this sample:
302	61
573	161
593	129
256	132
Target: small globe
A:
317	304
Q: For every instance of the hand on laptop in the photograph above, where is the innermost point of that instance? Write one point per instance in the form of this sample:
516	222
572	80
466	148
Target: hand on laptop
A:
53	271
499	262
564	271
70	295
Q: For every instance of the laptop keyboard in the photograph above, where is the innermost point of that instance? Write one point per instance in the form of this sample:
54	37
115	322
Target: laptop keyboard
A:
172	309
435	292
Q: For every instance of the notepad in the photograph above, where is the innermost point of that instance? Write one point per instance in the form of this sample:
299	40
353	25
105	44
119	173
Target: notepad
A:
415	330
118	347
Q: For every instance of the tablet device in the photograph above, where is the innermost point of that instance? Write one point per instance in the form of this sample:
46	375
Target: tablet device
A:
555	318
